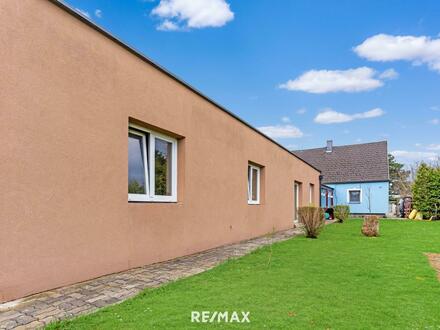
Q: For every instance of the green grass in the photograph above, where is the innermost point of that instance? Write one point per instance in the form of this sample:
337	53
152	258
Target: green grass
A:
340	280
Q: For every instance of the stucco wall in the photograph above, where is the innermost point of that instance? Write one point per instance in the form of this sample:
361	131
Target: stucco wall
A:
374	196
66	95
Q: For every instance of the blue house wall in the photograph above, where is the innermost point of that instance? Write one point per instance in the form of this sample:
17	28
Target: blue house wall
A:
374	196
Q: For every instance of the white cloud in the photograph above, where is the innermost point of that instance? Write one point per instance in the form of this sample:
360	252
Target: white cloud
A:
193	13
418	50
98	13
281	131
285	119
292	146
328	81
389	74
434	121
82	12
301	111
168	25
330	116
415	155
433	146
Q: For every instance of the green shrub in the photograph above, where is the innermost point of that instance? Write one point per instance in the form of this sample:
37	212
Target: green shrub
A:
426	191
342	212
313	220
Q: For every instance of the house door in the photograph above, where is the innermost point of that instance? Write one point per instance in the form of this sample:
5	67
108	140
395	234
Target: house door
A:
295	201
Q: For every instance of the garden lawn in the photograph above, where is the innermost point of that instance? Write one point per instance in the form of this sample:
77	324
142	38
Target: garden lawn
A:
340	280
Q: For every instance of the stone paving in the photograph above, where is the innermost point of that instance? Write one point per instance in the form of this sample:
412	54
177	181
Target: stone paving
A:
38	310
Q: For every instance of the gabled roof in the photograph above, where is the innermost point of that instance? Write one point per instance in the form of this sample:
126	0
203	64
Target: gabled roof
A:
76	14
365	162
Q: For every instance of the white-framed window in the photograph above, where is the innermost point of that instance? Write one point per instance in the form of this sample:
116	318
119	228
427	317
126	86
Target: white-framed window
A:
253	184
296	197
311	193
354	196
152	166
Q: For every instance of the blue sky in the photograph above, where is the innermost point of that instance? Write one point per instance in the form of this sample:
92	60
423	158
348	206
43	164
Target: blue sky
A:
301	71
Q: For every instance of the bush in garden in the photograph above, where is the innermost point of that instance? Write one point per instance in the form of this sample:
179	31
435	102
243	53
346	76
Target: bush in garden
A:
313	220
370	227
342	212
426	191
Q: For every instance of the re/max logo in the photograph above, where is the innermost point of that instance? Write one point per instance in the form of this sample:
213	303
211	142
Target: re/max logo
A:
210	317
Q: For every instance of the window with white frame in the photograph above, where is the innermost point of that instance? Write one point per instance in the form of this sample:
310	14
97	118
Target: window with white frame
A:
152	166
253	184
354	196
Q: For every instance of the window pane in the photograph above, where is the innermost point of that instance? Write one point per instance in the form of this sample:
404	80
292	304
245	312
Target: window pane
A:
254	184
162	159
136	165
355	196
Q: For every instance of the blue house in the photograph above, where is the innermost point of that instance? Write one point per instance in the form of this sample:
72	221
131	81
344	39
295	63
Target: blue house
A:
356	175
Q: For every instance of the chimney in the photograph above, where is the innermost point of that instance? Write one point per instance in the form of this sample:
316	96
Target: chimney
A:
329	146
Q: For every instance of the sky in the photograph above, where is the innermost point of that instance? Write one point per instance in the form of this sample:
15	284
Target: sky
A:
301	71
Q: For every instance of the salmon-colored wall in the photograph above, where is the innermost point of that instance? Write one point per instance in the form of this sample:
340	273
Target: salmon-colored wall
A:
66	95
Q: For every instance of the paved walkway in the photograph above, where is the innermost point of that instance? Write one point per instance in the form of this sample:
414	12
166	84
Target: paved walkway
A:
40	309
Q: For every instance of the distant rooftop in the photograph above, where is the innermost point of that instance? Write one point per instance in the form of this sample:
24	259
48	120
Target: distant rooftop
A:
364	162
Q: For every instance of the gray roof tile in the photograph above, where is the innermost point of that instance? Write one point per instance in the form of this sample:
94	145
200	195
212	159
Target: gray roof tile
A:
350	163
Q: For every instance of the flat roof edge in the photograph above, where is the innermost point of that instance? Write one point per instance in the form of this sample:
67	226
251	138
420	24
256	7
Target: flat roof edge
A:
138	54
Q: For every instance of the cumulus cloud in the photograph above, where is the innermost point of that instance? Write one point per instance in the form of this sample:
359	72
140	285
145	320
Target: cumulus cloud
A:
330	116
82	12
168	25
385	48
329	81
98	13
285	119
178	14
281	131
389	74
415	155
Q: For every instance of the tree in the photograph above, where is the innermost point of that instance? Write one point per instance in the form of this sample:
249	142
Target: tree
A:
135	187
162	184
400	184
426	191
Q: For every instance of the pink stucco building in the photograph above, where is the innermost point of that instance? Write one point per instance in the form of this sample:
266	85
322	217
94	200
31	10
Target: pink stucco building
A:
83	116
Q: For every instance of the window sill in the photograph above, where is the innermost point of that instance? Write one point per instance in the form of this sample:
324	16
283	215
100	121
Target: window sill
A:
153	202
146	199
